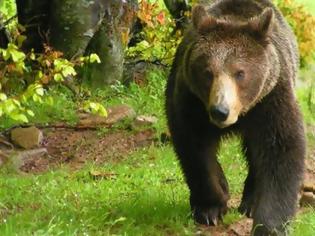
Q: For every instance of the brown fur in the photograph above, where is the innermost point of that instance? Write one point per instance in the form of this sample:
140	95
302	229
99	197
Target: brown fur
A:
234	72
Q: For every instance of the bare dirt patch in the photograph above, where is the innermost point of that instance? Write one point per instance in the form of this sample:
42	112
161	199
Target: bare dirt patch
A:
74	148
239	228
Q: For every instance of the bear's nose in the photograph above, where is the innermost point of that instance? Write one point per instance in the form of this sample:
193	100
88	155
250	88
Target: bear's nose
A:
219	113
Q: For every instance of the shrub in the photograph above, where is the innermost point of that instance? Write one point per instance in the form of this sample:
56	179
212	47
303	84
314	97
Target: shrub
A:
159	40
24	77
302	23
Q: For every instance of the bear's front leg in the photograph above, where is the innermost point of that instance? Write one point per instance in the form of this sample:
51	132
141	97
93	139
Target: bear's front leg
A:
278	161
204	175
209	203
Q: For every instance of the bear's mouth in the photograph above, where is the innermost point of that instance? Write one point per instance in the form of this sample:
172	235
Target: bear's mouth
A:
223	120
221	125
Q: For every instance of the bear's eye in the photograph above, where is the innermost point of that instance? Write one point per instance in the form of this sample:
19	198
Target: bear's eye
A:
240	75
208	75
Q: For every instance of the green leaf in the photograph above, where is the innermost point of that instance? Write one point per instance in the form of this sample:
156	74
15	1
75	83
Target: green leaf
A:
32	56
50	100
102	111
3	97
20	40
120	219
39	75
94	58
40	91
9	107
16	102
19	117
20	66
68	70
58	77
36	98
30	112
17	56
95	108
5	54
93	105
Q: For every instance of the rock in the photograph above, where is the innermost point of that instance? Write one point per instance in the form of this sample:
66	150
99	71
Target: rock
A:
145	120
27	138
16	160
136	72
35	160
144	137
308	199
118	113
115	115
91	121
102	175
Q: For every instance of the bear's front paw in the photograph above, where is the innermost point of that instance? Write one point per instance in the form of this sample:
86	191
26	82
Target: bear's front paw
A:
208	215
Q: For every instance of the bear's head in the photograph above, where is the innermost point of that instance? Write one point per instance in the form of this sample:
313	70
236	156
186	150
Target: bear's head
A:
231	63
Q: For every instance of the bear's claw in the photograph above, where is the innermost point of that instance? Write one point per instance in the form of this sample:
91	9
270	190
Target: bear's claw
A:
209	216
245	208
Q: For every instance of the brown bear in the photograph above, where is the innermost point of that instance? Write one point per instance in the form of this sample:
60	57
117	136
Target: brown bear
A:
234	71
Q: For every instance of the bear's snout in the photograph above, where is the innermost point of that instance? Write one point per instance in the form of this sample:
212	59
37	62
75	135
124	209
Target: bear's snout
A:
219	113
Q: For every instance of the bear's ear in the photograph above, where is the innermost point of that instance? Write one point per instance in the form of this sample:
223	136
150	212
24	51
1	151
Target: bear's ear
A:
262	24
202	21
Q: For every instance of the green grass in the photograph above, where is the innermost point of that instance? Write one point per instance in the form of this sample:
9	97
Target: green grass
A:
147	196
304	224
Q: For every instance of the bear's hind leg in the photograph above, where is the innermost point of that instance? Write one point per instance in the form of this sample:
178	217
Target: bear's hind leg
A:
248	194
278	165
249	185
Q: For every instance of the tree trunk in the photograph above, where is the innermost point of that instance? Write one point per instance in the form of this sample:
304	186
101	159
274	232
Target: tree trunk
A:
78	27
33	14
110	42
73	24
4	34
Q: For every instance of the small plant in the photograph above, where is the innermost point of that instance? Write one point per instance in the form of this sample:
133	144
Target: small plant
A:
302	23
159	41
94	108
24	77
